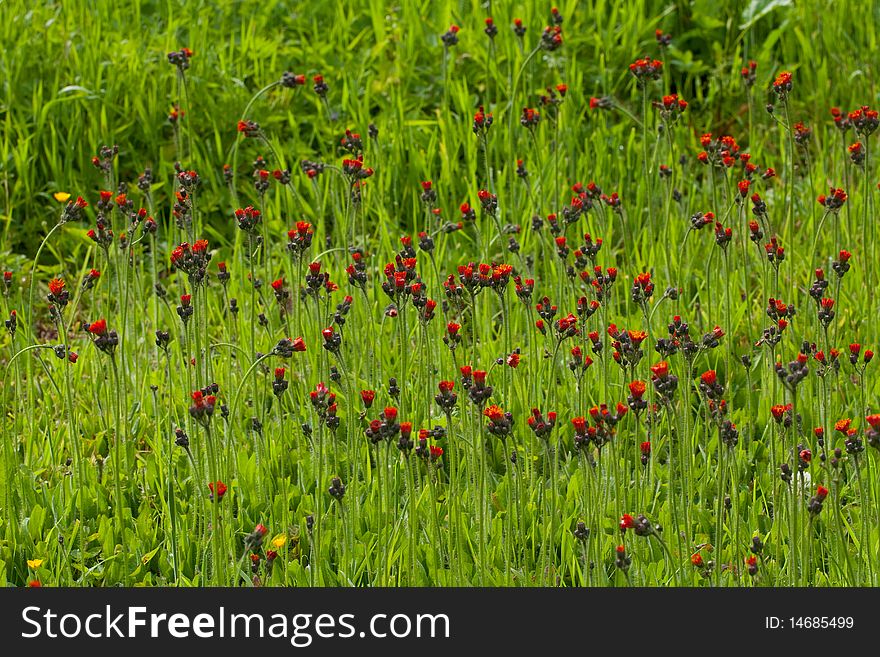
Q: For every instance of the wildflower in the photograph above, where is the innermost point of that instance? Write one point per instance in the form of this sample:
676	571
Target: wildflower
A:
551	38
857	153
185	309
286	347
249	128
500	423
385	428
621	560
814	506
217	487
529	118
105	340
709	385
491	29
73	209
826	311
864	120
192	260
337	489
602	103
749	74
450	37
279	386
352	142
320	86
180	58
539	426
446	398
646	69
795	371
58	295
203	403
671	108
640	525
636	393
872	433
752	563
801	133
518	28
841	265
664	383
292	80
332	340
642	289
782	85
834	200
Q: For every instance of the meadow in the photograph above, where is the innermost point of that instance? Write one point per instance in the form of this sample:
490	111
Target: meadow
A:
439	294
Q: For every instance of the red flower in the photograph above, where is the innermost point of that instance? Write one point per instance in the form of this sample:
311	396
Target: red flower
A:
446	386
299	344
279	372
660	370
626	522
709	377
697	560
637	389
219	487
646	69
874	421
843	425
56	286
580	425
779	410
98	327
390	414
645	448
782	84
821	492
494	413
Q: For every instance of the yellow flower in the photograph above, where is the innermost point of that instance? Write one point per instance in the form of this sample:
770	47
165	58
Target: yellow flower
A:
279	541
61	197
34	563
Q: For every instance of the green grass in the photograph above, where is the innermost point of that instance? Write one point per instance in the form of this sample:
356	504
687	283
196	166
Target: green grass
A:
93	483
